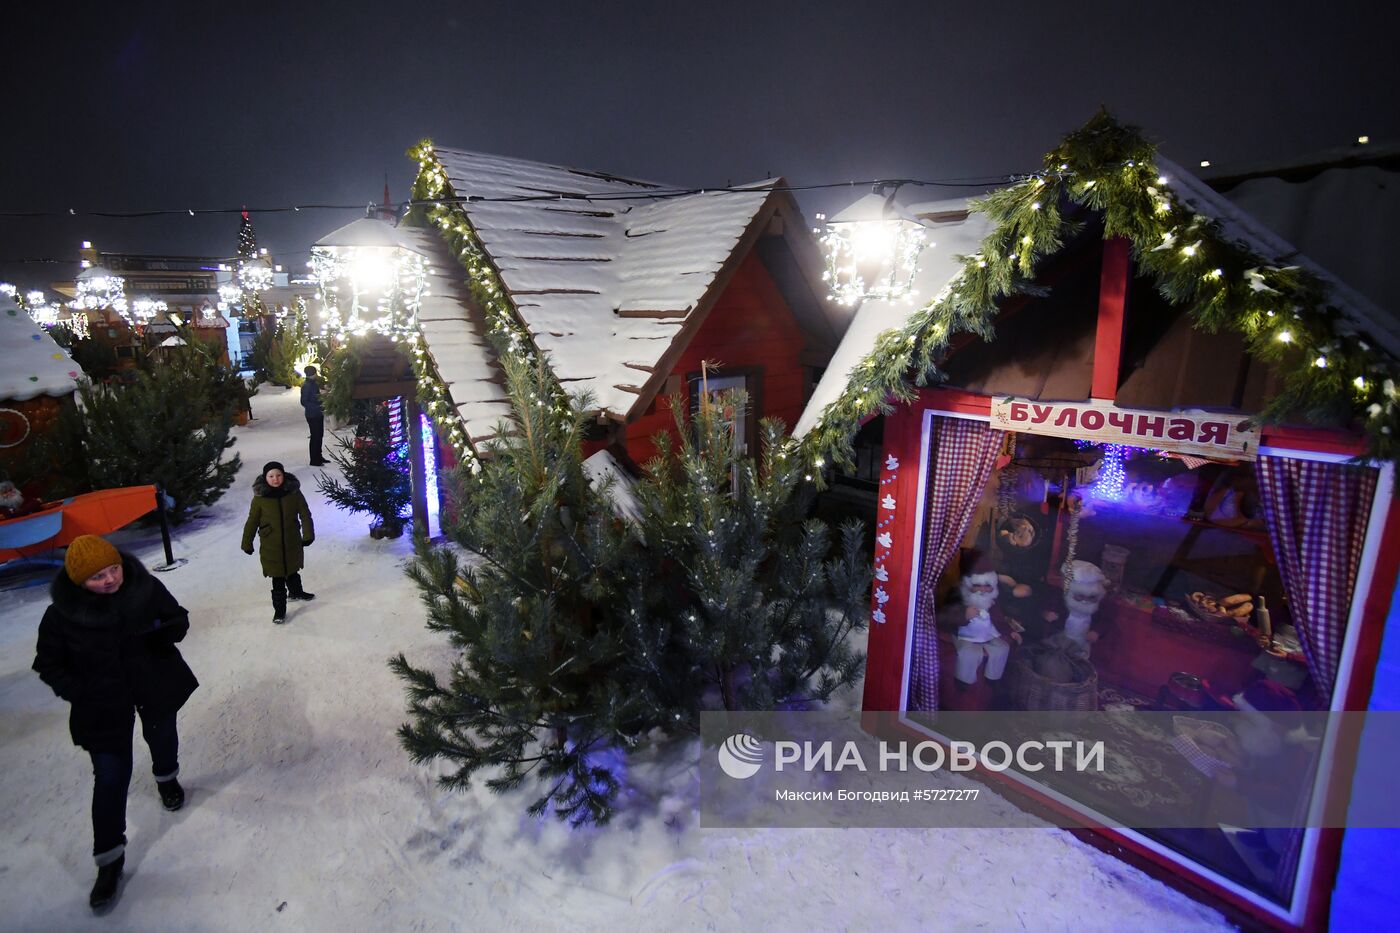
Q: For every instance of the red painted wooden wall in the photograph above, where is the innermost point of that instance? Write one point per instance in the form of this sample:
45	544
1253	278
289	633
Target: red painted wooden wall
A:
750	327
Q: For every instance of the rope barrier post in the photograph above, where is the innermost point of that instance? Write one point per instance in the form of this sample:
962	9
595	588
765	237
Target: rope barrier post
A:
170	562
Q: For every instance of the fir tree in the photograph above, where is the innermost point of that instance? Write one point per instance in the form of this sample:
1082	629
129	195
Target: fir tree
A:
760	616
167	428
546	682
288	344
376	475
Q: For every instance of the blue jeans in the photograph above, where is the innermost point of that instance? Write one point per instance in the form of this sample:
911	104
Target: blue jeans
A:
111	773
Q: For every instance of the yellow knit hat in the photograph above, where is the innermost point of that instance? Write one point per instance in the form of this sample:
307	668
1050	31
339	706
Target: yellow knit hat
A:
87	555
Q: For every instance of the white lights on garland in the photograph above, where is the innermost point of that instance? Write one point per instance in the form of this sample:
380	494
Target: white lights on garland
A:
872	250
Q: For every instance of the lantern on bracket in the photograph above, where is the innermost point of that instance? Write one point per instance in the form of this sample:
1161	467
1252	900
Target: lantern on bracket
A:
872	248
371	278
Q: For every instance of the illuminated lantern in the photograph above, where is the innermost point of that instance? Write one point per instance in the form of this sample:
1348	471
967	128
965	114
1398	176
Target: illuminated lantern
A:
872	249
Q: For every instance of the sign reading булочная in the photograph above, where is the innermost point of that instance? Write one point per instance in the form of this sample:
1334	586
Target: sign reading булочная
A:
1208	434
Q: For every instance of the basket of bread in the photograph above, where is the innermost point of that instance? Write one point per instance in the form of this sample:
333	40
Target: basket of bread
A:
1238	607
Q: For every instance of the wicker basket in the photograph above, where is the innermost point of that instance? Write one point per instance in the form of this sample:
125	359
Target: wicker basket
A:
1034	691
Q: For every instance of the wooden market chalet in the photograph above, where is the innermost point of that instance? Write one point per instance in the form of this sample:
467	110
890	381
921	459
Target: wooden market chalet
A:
632	293
1100	425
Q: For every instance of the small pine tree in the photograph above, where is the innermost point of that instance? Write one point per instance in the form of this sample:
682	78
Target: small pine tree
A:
289	343
166	428
761	617
376	475
547	680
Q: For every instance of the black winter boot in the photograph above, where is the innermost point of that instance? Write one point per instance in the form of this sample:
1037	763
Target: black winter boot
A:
295	591
279	607
104	889
172	795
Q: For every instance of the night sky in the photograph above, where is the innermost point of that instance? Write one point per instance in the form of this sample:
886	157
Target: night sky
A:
136	106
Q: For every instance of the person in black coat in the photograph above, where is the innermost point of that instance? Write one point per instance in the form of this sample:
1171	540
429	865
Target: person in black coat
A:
107	646
315	416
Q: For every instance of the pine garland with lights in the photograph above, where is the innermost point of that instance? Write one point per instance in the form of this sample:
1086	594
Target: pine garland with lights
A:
484	281
1331	374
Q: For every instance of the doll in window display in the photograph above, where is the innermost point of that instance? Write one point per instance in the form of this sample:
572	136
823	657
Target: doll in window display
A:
979	628
1084	592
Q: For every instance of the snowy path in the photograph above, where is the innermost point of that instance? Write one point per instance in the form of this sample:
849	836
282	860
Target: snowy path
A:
304	814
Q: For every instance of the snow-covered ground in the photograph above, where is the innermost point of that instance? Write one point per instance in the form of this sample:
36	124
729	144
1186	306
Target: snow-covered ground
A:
305	814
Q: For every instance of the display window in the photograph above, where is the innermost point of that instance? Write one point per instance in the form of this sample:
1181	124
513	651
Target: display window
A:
1088	576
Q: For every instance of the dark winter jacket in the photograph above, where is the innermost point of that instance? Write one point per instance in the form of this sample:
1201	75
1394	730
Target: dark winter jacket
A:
311	397
107	655
282	521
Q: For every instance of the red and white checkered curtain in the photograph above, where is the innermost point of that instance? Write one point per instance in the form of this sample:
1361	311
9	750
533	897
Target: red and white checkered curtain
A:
1317	514
961	457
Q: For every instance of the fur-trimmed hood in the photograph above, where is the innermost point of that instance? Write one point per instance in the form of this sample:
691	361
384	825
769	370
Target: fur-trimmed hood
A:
290	484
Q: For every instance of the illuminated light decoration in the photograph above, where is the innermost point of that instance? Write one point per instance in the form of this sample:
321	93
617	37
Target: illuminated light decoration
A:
209	315
1112	474
143	310
430	469
77	323
99	290
365	289
872	250
1285	337
1205	163
1362	140
255	276
41	310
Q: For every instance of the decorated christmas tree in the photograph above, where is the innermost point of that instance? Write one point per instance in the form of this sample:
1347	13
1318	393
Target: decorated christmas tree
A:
548	683
247	239
376	475
758	614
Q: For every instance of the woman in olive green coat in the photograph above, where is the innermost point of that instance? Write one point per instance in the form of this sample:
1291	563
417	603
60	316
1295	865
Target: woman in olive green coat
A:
280	517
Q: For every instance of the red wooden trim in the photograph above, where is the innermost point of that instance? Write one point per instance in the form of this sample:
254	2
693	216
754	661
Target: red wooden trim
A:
955	401
1113	303
1358	697
884	678
1318	440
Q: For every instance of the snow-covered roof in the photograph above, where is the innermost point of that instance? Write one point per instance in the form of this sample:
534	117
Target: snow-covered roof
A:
33	364
1236	224
369	232
938	263
603	469
456	334
1338	209
604	286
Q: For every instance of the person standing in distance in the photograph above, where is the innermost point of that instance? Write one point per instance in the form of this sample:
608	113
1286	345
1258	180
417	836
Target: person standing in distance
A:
281	519
315	418
107	646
